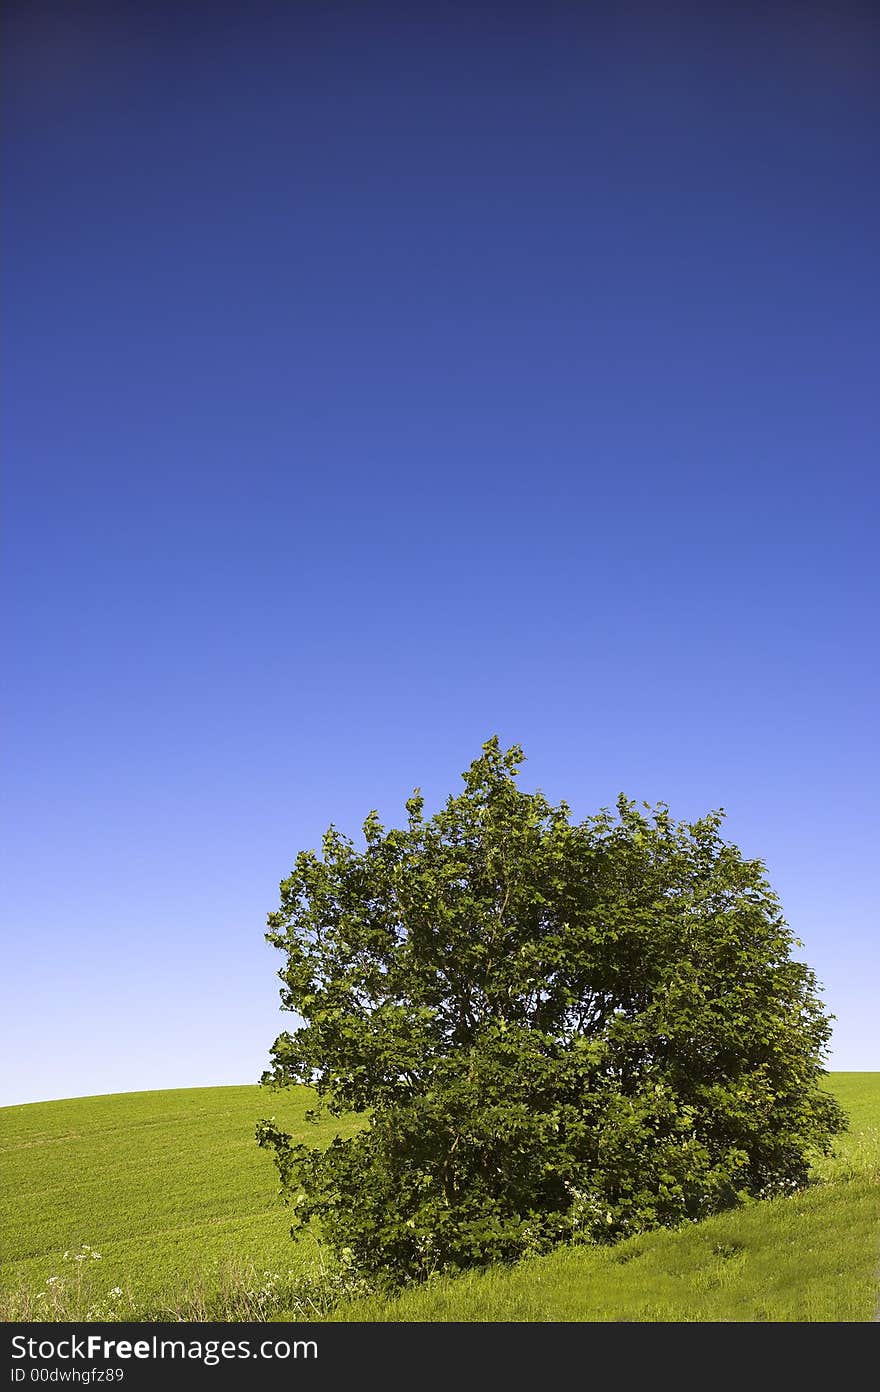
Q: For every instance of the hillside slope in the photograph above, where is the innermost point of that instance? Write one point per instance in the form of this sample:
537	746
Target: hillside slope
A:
169	1187
172	1191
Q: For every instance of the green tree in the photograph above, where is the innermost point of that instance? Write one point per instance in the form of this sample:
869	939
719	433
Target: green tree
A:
555	1030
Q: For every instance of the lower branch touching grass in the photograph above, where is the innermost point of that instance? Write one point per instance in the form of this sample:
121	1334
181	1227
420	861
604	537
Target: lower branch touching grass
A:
244	1294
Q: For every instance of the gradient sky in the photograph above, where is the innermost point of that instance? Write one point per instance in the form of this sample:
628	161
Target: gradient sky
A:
378	380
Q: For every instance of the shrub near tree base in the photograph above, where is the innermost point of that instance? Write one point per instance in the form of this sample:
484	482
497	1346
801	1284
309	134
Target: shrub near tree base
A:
558	1031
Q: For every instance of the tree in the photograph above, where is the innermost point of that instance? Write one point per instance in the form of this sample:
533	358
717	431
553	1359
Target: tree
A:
555	1030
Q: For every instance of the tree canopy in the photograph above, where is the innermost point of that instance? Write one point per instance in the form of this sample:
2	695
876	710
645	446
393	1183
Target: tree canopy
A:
555	1030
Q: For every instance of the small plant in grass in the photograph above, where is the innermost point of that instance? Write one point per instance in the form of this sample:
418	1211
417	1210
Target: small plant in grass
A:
77	1293
240	1292
243	1293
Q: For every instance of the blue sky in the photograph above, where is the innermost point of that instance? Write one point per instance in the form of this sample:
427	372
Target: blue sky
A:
379	380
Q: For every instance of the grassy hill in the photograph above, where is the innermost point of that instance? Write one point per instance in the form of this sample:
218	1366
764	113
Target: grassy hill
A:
169	1187
172	1191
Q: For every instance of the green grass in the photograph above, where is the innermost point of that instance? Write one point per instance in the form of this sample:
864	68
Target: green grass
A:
172	1190
169	1187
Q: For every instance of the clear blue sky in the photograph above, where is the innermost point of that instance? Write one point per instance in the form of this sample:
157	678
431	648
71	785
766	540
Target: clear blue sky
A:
378	380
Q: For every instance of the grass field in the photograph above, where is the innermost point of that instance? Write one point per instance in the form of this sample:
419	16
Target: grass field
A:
173	1192
169	1187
